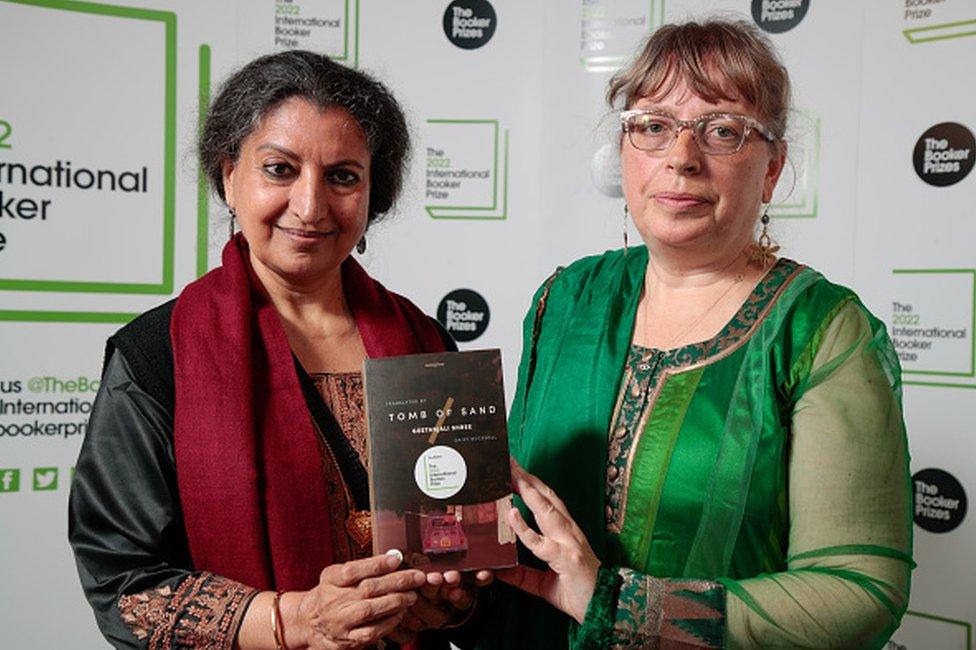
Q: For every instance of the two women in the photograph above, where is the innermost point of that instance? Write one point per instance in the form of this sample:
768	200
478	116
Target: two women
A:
714	435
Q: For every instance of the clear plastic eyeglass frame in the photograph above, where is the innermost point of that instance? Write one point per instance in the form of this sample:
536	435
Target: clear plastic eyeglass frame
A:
698	129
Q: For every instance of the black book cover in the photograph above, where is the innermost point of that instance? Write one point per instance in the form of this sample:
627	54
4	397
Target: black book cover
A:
439	477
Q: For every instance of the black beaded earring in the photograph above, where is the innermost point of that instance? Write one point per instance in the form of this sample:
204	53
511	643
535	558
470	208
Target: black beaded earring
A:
763	251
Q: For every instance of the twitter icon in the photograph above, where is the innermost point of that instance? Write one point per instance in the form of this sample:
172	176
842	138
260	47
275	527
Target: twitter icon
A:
45	478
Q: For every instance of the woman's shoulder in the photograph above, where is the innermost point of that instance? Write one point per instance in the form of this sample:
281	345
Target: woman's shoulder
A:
419	318
826	310
815	294
146	346
610	261
149	324
597	271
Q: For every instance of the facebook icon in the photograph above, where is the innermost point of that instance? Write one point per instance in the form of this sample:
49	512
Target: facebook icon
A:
9	480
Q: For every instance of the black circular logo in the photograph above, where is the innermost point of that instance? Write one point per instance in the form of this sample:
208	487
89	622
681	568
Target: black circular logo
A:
777	16
944	154
940	501
464	314
469	24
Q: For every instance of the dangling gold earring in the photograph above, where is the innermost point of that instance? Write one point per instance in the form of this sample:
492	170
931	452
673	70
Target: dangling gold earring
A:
626	236
763	252
233	216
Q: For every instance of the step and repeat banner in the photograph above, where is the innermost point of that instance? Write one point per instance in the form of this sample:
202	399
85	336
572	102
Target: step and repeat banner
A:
103	213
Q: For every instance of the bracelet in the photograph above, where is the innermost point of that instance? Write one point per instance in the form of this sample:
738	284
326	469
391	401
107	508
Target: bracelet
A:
277	629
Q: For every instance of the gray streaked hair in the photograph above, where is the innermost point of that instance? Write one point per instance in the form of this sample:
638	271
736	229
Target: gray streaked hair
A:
249	94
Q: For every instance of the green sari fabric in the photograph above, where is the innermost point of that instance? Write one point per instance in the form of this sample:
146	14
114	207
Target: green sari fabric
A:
707	495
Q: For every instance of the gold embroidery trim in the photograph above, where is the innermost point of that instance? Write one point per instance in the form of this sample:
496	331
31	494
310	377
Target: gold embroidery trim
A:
202	610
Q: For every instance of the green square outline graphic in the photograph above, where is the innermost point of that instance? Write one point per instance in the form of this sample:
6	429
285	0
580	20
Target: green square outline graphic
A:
813	187
943	619
15	483
972	334
169	164
468	210
612	63
203	183
345	38
968	29
347	27
54	485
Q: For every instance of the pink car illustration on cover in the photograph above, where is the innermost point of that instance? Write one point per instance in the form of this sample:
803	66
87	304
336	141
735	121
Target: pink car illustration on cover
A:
443	534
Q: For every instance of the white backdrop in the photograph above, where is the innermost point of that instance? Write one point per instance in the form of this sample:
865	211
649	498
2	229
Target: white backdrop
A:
102	215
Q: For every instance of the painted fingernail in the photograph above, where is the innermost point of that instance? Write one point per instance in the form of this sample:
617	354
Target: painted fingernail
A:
396	558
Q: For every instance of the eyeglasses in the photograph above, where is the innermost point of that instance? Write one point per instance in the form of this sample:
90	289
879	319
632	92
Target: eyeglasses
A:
716	133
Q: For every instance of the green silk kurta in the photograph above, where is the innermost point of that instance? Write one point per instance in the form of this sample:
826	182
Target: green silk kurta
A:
762	494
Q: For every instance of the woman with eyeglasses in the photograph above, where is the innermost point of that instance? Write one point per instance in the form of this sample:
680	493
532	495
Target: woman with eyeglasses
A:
714	434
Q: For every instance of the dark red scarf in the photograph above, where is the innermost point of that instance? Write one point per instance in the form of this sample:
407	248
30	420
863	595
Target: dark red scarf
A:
247	457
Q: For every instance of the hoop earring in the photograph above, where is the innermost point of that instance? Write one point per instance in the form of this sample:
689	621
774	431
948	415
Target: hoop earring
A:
763	251
626	236
361	246
233	217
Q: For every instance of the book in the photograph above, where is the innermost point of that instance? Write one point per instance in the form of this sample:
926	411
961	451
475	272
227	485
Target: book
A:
439	476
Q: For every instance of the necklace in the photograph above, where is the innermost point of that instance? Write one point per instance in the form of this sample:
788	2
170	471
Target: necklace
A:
698	319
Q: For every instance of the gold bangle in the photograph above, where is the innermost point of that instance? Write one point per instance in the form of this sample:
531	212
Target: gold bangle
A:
277	627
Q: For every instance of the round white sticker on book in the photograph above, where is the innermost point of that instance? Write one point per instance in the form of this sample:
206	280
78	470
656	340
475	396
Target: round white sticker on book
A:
440	472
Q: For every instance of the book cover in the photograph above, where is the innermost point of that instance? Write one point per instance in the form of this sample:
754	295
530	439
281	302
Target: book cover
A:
439	477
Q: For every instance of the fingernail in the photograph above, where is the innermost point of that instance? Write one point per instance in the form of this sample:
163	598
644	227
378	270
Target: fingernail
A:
396	558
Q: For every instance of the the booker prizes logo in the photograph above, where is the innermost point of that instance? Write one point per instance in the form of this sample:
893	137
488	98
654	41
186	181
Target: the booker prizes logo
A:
944	154
777	16
464	314
469	24
940	501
